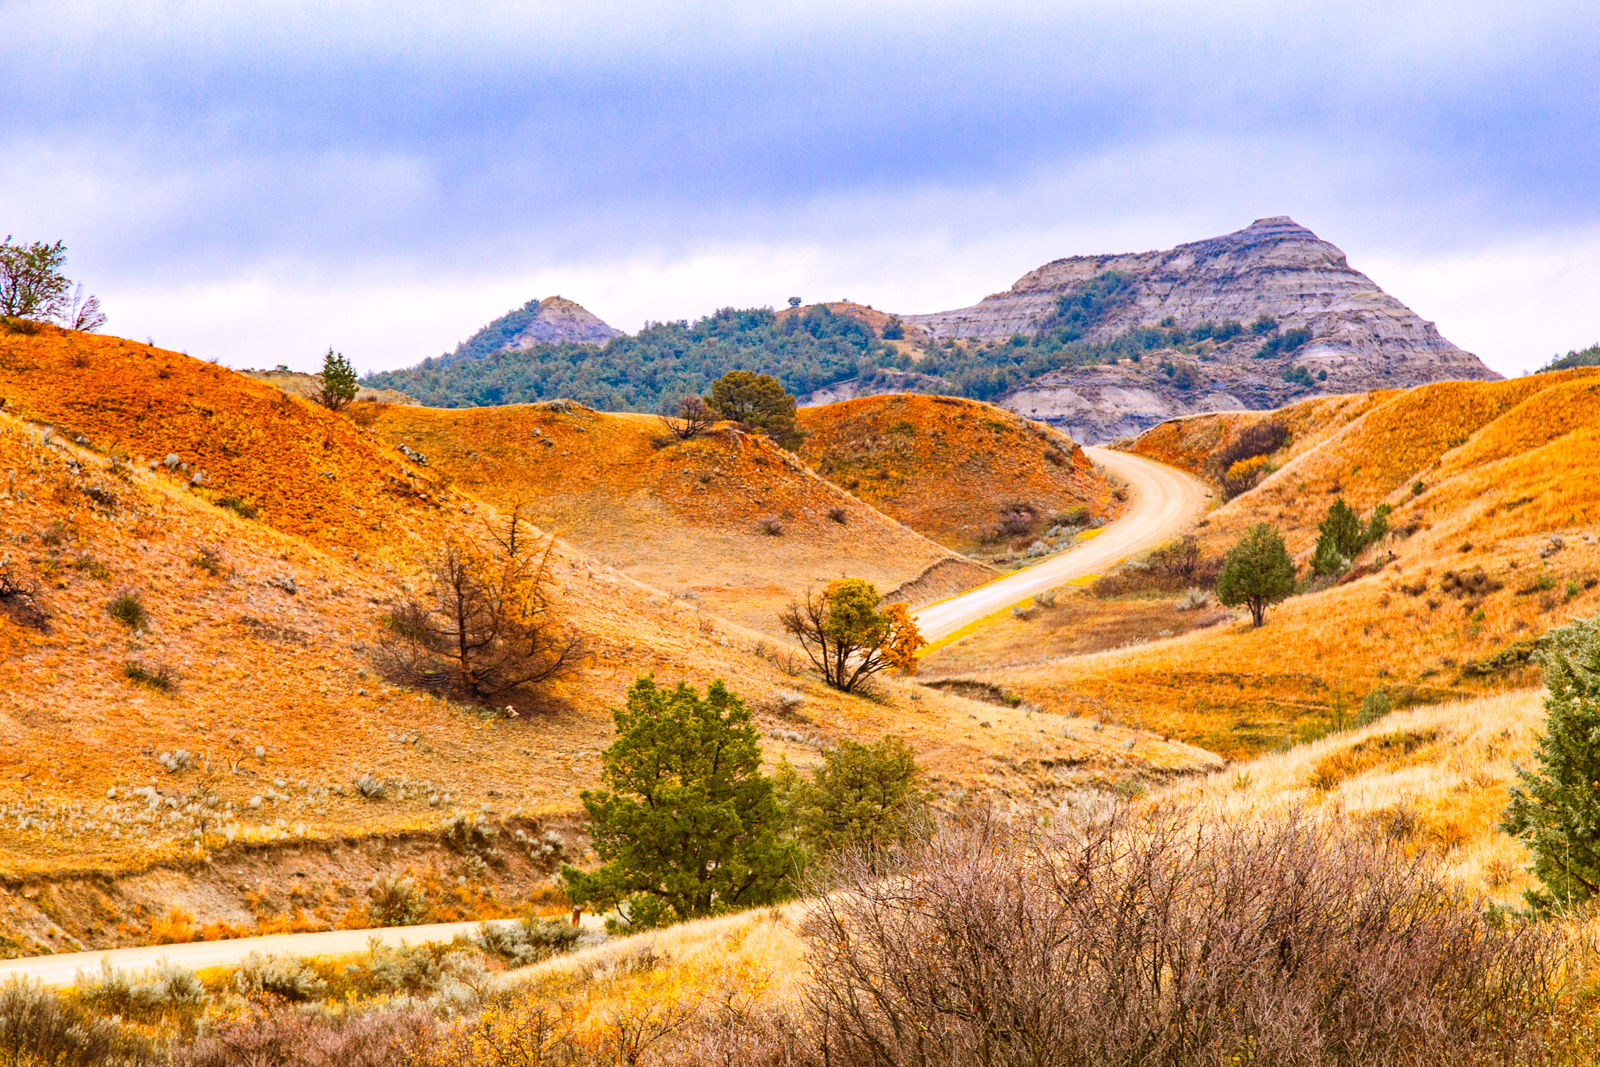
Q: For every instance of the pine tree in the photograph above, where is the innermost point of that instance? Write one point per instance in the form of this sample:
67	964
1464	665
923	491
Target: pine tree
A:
1257	572
339	383
687	825
1555	807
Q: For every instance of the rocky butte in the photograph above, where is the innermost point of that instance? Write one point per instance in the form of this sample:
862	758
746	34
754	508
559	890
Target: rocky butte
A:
1272	270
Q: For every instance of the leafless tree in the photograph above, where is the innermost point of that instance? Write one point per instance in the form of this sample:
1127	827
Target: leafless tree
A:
688	417
485	629
20	599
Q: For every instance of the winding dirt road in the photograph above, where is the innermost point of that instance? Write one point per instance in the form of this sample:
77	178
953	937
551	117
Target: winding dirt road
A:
1164	502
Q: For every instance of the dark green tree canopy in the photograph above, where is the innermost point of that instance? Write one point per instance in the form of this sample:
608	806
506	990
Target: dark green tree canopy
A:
1341	537
1555	805
686	824
1257	572
339	383
758	401
860	796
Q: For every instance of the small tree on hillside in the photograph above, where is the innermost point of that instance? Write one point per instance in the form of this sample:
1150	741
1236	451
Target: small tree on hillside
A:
1257	572
850	635
686	824
758	401
1341	537
688	417
1555	806
339	383
859	797
485	629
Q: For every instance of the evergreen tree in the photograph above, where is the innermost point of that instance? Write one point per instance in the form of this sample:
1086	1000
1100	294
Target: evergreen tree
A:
1555	807
339	384
687	825
758	401
1257	572
1341	537
860	796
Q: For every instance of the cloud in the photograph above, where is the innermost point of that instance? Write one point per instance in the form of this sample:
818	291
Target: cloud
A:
309	154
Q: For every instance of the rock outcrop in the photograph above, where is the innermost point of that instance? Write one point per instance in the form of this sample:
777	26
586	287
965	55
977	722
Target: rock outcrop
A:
1360	337
555	318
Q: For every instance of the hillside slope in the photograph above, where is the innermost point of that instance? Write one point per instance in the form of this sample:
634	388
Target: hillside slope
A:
728	519
265	625
1495	488
970	476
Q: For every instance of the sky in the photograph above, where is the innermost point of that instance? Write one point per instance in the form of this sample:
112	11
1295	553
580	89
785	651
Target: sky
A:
257	182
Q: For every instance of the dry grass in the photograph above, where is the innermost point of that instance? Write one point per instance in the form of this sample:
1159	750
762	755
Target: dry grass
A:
951	468
1480	476
1431	777
694	518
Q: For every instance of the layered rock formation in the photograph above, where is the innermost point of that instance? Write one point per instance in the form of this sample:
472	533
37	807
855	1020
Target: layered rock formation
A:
555	318
1360	337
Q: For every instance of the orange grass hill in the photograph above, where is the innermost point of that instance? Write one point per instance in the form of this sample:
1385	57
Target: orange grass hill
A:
264	538
969	475
728	520
1495	490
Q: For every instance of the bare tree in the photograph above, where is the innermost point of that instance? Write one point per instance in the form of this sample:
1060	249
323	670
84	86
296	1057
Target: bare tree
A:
688	417
20	599
485	629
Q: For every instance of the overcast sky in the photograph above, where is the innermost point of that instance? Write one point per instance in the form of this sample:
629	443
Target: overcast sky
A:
256	182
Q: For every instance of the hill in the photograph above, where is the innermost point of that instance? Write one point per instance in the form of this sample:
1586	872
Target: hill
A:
729	519
1493	487
264	538
970	476
1104	346
645	371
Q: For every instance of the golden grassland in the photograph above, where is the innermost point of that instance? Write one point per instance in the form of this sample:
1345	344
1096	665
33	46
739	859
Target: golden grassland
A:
951	468
1480	476
275	699
729	519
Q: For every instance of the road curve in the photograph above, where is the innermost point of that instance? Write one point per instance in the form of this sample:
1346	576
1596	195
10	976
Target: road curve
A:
1163	502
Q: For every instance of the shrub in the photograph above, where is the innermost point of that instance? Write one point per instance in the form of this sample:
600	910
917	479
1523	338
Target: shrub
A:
158	678
285	977
1163	941
772	526
128	609
686	824
528	941
209	559
241	507
839	515
1260	439
288	1037
396	901
166	991
20	600
1374	706
39	1027
370	787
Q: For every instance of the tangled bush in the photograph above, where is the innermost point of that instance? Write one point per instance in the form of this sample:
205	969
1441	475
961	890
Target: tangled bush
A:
528	941
1160	942
396	901
286	977
37	1026
168	990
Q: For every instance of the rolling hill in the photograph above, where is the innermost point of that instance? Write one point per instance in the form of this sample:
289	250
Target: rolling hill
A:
970	476
1494	540
263	539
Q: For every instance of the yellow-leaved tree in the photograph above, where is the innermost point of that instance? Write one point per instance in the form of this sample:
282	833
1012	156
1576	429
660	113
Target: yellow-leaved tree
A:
850	634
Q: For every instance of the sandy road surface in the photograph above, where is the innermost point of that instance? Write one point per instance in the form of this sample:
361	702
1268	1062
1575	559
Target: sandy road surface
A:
1164	501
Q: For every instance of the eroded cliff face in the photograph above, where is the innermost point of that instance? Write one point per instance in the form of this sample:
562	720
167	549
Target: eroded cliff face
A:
1361	337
